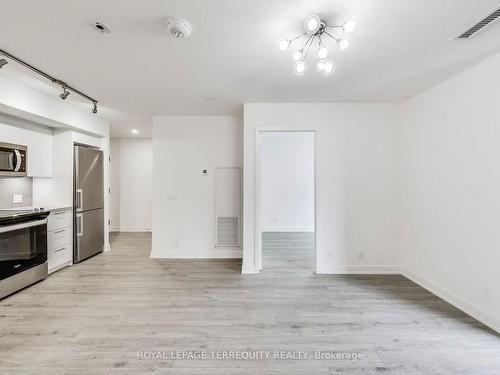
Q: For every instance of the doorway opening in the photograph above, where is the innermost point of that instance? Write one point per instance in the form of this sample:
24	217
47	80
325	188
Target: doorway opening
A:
286	209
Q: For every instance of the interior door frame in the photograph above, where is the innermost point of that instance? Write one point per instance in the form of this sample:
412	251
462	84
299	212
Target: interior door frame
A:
258	193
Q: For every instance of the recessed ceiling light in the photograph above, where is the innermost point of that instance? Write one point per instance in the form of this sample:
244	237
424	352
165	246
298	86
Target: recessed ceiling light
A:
134	131
209	99
100	27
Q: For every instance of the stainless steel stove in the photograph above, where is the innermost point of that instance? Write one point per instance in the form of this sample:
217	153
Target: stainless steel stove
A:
23	249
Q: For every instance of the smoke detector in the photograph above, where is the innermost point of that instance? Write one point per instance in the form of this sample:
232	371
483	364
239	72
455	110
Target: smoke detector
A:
178	27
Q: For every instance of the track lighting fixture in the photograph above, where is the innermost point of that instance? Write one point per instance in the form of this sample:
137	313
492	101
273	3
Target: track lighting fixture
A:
317	30
66	88
64	94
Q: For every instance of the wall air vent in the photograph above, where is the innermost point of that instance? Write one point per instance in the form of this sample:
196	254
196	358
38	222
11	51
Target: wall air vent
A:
228	231
480	25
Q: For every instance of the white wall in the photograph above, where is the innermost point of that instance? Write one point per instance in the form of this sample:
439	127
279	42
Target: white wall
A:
451	171
287	181
358	194
183	198
131	180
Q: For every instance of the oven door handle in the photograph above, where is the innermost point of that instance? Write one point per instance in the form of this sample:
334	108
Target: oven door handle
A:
18	158
29	224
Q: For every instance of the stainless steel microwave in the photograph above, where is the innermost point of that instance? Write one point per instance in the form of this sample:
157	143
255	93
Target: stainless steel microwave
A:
13	160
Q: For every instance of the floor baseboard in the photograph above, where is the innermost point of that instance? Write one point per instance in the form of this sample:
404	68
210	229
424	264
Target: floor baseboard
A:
359	270
219	254
454	300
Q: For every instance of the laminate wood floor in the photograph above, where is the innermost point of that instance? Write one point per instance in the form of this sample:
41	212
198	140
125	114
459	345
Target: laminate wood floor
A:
288	252
99	316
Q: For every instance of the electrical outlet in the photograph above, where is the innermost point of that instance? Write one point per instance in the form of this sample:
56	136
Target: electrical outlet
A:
17	198
274	220
330	253
204	172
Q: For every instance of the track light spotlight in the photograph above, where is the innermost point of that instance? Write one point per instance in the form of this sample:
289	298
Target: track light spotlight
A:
94	110
64	94
3	62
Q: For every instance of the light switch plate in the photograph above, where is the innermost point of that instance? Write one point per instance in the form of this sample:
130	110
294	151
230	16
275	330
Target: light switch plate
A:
17	198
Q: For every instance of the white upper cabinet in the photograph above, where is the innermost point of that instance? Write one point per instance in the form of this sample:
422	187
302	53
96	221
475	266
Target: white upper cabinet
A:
40	156
39	142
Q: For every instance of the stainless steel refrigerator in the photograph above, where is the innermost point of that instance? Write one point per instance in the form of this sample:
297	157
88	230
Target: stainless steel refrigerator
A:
88	203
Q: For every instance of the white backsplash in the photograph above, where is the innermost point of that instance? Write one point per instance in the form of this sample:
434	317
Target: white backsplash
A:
10	186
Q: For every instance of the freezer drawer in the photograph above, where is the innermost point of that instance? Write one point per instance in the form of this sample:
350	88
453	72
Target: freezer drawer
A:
89	234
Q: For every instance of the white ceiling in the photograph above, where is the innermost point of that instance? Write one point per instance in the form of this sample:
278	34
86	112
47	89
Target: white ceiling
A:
401	48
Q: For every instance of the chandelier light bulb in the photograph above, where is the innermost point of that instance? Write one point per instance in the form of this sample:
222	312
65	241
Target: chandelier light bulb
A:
300	67
328	68
297	55
312	24
349	26
284	44
343	44
322	52
320	66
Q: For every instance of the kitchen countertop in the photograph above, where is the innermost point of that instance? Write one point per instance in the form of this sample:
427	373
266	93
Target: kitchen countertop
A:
58	209
29	208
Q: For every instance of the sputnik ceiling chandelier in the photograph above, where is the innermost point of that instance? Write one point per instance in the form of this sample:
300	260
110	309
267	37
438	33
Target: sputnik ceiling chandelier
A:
317	32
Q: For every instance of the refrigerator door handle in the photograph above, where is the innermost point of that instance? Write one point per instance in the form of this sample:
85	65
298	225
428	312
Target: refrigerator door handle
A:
79	199
79	225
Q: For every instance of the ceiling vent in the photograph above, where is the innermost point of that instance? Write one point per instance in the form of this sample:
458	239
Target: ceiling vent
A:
480	25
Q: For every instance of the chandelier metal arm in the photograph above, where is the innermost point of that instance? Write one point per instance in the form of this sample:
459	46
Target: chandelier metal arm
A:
305	44
310	41
298	37
331	36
